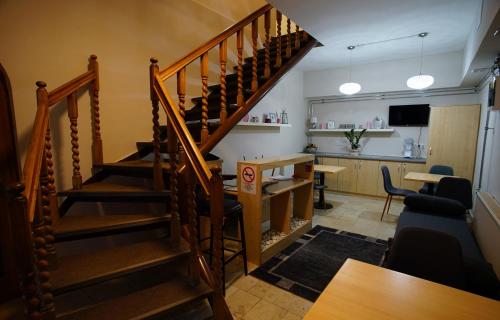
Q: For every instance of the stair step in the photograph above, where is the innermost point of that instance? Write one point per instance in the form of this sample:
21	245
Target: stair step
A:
132	167
79	271
101	191
72	227
147	303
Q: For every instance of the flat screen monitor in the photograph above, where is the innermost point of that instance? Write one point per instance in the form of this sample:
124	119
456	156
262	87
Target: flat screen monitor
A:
412	115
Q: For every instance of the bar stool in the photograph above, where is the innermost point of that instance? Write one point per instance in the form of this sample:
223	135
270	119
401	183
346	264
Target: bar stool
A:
233	210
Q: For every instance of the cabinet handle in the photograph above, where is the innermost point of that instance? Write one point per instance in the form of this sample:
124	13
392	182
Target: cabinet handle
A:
399	168
430	151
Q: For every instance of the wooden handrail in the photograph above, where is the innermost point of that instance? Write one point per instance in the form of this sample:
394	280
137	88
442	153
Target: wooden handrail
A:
66	89
195	54
193	153
34	156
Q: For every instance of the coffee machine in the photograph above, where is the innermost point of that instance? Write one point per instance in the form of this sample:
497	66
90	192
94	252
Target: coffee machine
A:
408	148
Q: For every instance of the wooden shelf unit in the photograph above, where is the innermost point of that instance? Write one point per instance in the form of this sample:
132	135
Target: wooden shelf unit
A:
282	205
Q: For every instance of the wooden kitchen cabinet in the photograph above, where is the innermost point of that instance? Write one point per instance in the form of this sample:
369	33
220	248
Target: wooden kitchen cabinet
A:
347	178
367	177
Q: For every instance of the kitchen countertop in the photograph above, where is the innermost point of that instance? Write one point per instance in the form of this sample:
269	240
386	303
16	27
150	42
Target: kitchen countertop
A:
369	157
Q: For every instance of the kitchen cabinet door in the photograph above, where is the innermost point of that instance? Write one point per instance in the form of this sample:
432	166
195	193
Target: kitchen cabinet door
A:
452	138
394	171
331	180
347	178
411	167
367	177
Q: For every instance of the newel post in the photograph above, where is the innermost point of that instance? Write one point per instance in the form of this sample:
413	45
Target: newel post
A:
97	153
157	167
217	219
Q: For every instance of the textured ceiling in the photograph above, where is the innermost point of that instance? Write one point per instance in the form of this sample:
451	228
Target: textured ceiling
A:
340	23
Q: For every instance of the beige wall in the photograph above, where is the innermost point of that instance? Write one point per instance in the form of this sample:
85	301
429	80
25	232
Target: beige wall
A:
51	41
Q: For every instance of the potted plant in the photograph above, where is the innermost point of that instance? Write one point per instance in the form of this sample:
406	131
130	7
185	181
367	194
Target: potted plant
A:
311	148
354	138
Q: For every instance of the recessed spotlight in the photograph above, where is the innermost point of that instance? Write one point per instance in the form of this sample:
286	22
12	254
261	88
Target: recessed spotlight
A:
423	34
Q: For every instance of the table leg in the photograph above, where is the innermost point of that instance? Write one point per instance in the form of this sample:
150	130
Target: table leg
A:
321	204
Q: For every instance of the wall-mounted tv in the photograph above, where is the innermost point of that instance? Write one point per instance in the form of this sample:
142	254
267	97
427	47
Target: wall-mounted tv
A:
411	115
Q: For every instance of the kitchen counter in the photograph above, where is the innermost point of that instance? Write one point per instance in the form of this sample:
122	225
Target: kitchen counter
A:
369	157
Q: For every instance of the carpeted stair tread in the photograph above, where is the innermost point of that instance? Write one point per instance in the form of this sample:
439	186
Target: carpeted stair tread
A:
103	189
146	303
79	271
72	227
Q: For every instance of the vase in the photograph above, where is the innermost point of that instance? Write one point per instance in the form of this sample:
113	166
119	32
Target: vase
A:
354	152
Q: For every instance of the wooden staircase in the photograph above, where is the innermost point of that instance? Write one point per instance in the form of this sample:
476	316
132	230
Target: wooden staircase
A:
125	238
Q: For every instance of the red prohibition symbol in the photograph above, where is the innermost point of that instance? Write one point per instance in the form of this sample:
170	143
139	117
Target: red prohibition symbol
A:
248	174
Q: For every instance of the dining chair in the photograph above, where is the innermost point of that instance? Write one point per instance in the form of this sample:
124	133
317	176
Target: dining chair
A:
430	188
391	190
459	189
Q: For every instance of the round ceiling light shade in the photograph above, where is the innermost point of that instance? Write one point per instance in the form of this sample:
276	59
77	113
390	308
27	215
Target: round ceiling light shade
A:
421	81
350	88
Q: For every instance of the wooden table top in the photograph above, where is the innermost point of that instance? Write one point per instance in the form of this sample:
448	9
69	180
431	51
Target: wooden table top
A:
425	177
327	168
364	291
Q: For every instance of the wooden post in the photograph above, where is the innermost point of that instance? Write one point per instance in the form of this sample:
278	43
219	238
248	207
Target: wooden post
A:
157	167
278	39
73	118
190	194
47	215
297	37
267	44
204	97
175	226
288	38
223	99
216	219
255	30
97	154
239	45
181	91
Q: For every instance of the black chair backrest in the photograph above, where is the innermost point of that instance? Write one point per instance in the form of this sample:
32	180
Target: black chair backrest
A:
388	187
459	189
440	169
428	254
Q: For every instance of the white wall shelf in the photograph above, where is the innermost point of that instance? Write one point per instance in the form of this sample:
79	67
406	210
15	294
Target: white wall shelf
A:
263	124
347	130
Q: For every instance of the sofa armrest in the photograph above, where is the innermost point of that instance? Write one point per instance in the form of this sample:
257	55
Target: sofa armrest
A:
435	205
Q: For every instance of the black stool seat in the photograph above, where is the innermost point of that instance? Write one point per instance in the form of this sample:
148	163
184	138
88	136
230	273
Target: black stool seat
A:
232	210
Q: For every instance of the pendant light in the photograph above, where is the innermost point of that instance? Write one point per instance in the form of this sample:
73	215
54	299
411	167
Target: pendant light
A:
420	81
350	87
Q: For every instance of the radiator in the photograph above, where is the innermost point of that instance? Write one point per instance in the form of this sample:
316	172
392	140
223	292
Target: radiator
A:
486	227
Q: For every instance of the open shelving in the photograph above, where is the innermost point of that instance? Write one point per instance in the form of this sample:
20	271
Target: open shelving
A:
263	124
388	130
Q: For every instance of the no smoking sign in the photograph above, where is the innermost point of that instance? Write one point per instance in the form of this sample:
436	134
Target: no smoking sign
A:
247	178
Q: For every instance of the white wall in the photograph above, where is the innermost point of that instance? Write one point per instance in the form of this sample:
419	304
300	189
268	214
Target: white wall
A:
386	76
254	142
359	112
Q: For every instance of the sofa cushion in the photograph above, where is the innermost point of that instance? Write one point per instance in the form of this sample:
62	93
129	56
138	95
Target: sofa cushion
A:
435	205
455	227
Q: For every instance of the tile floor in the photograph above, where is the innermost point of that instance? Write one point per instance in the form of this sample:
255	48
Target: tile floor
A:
253	299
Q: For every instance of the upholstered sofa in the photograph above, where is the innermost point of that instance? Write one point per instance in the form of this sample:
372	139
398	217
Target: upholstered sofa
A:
450	217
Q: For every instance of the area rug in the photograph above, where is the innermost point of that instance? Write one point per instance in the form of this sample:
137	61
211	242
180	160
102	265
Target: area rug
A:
306	266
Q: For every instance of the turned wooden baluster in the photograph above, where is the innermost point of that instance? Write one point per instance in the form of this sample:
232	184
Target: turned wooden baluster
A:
181	91
297	38
239	45
255	34
278	39
97	155
157	166
73	118
46	175
223	98
42	267
267	45
190	194
204	97
304	36
216	220
288	38
175	224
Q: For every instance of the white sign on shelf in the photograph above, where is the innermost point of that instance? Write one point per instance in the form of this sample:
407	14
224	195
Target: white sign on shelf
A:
248	177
